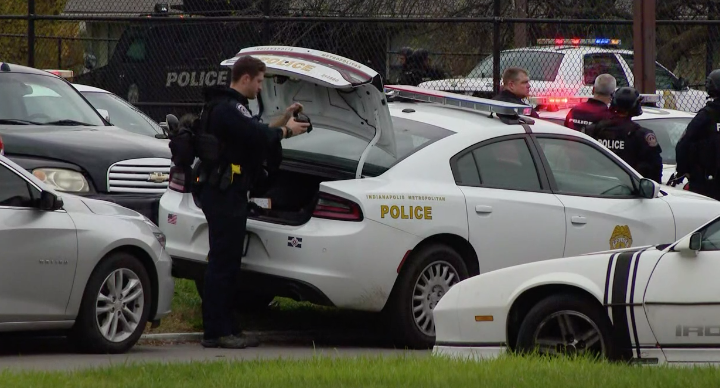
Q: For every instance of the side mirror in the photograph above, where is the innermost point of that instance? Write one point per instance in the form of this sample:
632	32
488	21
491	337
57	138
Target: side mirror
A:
649	189
105	114
50	201
689	245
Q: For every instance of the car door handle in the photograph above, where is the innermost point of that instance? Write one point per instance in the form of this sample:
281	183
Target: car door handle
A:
483	209
578	220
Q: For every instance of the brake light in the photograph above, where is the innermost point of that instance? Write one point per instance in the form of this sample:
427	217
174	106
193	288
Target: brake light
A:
177	180
336	208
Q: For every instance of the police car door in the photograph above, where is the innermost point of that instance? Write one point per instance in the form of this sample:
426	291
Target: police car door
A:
682	299
602	210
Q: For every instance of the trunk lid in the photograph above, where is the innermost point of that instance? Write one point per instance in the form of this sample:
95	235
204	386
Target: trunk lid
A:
337	93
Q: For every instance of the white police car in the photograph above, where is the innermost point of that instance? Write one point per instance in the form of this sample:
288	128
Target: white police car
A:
568	67
653	305
668	124
388	202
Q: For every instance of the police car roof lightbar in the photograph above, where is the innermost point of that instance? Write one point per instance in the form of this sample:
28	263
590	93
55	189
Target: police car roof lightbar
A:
457	100
62	73
574	100
578	41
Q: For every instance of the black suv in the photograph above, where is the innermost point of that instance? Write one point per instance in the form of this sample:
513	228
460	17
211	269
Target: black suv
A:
51	130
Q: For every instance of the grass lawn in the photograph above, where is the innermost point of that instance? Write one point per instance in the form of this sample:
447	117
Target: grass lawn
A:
379	371
284	314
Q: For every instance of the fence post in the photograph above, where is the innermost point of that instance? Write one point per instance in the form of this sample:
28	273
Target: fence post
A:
59	53
496	48
266	22
31	33
644	45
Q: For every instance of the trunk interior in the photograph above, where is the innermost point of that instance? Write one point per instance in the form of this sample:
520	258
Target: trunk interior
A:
292	191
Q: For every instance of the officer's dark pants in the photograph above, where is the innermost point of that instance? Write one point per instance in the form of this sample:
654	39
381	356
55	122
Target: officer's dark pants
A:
226	214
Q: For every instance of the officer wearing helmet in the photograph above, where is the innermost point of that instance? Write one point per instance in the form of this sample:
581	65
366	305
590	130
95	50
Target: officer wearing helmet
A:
636	145
698	150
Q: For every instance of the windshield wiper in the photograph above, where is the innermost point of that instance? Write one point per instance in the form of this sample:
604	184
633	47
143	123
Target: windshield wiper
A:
67	122
18	122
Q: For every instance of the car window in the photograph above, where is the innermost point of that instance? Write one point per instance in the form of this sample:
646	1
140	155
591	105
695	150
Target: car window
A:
505	164
664	79
601	63
540	65
136	51
711	237
341	150
42	99
122	114
581	169
14	190
668	132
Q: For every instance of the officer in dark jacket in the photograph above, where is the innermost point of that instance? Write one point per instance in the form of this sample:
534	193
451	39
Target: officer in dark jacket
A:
698	150
516	86
634	144
244	145
596	107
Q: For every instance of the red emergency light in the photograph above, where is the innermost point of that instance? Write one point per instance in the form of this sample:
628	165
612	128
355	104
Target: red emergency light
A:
62	73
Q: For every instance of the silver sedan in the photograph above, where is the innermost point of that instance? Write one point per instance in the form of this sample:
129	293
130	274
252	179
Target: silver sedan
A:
93	268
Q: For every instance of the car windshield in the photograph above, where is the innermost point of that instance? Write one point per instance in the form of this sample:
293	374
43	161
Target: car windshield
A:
43	99
343	151
668	133
540	65
123	114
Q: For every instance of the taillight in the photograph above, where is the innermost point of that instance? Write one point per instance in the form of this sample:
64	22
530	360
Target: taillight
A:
336	208
177	180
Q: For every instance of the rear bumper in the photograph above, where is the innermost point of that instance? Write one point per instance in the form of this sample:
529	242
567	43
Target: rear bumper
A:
257	282
145	204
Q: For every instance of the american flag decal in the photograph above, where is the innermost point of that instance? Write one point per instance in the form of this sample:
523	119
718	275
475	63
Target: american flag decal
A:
295	242
172	219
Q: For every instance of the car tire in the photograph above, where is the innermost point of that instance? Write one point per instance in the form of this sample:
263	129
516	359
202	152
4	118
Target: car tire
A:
405	320
246	301
88	333
586	319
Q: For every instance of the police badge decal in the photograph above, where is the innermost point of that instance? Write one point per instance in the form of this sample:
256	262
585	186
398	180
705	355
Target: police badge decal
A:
243	109
621	237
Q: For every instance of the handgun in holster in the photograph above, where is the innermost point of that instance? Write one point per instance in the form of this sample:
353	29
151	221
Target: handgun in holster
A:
231	173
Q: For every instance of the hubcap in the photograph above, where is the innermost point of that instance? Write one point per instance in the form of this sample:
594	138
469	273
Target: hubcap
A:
119	305
569	332
434	282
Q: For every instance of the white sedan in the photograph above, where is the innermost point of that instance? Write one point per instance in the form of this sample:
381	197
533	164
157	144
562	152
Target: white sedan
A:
668	124
389	202
92	268
656	304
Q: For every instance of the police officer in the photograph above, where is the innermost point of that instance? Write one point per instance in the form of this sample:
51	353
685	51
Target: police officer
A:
636	145
698	150
244	144
405	69
516	86
595	108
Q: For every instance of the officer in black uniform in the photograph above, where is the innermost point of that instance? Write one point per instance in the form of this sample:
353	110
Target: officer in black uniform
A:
698	150
244	144
634	144
405	75
595	108
515	87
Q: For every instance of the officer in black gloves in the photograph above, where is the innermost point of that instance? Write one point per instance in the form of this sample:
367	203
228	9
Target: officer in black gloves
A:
698	150
232	159
634	144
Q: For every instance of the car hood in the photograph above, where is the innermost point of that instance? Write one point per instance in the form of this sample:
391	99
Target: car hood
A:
94	149
337	93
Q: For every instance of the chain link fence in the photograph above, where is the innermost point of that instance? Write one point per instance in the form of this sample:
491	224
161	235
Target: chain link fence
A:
159	55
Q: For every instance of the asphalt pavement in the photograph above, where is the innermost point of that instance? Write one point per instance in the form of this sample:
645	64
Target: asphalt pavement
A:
54	353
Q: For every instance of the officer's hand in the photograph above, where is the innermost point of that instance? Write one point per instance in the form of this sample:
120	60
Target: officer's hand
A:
296	127
291	109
